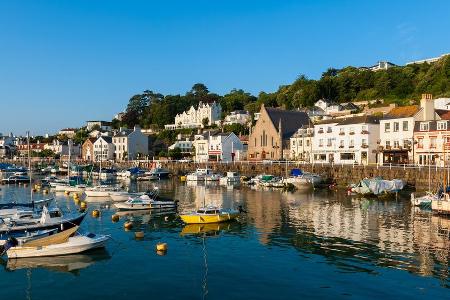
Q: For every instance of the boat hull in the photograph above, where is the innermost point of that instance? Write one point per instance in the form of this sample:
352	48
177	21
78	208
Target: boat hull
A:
73	246
125	206
206	219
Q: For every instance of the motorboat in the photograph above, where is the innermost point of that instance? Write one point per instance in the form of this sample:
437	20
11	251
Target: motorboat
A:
120	196
16	179
377	186
425	200
48	219
21	210
158	173
150	200
203	175
100	191
210	214
32	204
30	236
230	177
62	243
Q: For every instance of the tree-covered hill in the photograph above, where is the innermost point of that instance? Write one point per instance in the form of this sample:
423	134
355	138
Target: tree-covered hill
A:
401	84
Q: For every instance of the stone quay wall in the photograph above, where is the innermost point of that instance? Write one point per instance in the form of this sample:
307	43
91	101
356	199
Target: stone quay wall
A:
341	174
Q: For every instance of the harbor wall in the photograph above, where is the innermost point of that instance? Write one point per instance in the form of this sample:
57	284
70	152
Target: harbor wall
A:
341	174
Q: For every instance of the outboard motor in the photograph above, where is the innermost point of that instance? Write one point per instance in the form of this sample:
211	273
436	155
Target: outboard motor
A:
11	242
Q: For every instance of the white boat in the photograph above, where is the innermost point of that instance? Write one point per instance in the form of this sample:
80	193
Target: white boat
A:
231	177
441	205
100	191
158	173
121	196
147	201
424	201
203	175
22	210
46	247
77	188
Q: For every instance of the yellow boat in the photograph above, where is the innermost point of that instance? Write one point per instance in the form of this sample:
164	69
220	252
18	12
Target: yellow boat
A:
210	214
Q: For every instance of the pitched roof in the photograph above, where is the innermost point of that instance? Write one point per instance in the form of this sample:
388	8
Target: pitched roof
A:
123	133
291	120
107	139
443	114
359	120
402	112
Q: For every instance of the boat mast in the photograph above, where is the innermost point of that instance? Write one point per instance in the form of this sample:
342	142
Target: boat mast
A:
101	157
29	162
68	163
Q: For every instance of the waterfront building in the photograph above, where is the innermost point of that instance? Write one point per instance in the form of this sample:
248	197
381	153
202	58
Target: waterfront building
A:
432	140
224	147
324	107
62	148
397	131
22	149
130	144
270	137
103	149
99	125
200	144
351	140
87	149
68	132
237	117
195	118
301	144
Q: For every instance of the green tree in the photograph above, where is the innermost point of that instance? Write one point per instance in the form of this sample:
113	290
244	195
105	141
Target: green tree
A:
175	153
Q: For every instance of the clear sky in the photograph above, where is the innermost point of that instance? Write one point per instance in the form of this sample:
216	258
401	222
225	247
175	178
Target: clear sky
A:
65	62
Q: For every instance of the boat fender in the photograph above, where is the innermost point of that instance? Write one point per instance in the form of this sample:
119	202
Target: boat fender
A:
115	218
83	205
96	213
161	247
139	234
128	225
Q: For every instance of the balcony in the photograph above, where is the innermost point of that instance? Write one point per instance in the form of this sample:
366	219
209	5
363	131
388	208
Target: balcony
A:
388	147
341	146
365	132
364	146
352	133
351	146
320	131
329	145
341	133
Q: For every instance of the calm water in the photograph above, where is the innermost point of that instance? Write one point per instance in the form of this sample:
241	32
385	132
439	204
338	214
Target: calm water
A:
289	245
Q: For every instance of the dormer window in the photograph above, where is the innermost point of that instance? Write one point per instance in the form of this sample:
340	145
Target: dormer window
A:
442	125
424	126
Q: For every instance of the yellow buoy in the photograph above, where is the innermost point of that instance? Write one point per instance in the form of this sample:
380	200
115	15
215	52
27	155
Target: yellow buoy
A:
66	192
45	191
75	195
83	204
161	247
115	218
96	213
182	178
128	225
139	234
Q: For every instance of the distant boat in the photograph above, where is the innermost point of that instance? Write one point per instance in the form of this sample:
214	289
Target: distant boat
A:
158	173
121	196
147	201
100	191
16	179
209	214
230	177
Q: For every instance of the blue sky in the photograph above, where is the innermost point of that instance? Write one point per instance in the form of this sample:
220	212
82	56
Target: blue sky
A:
65	62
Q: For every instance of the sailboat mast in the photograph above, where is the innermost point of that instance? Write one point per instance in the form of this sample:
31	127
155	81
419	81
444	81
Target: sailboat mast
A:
101	158
29	162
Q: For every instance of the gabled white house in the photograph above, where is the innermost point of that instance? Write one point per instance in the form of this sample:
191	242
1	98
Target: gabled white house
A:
200	145
224	147
242	117
193	118
184	145
130	144
103	149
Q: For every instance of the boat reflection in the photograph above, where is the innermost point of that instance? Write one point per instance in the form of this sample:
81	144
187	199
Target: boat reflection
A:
66	264
210	229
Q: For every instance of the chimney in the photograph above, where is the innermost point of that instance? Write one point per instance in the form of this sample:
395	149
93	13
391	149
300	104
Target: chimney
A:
427	105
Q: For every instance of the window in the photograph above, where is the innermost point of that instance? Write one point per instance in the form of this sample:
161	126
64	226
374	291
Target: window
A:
321	143
329	142
433	142
352	130
329	130
442	125
300	143
406	143
307	143
396	126
424	126
388	144
352	143
396	144
341	131
364	142
405	125
420	143
387	127
341	144
347	156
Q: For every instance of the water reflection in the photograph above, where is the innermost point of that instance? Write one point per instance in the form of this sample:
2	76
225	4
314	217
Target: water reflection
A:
67	264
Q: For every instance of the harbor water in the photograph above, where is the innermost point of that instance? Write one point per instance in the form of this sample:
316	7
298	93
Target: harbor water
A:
321	245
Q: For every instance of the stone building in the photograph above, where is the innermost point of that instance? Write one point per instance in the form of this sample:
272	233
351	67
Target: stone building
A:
270	137
87	149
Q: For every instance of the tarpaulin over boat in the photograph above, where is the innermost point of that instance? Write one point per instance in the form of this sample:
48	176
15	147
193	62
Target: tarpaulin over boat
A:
296	172
377	186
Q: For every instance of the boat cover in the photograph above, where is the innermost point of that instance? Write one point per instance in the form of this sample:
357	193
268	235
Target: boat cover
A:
377	186
296	172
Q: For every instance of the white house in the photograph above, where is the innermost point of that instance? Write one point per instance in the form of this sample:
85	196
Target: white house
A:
200	144
102	125
350	140
193	118
62	148
185	146
103	148
397	131
237	117
130	144
301	144
442	103
69	132
224	147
